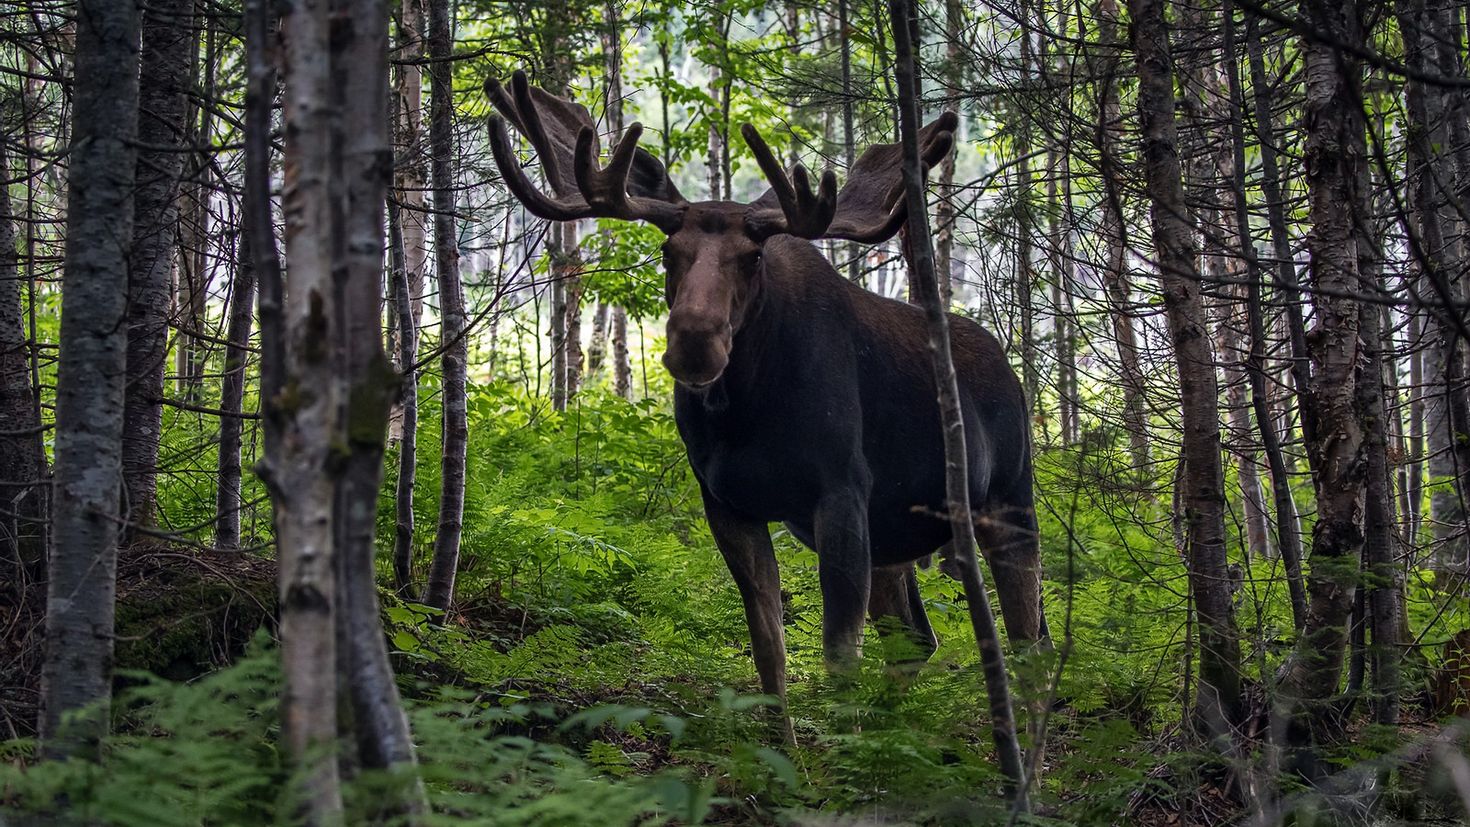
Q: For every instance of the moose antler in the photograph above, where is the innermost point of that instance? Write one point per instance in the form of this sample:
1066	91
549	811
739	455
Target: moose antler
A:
562	134
802	212
870	207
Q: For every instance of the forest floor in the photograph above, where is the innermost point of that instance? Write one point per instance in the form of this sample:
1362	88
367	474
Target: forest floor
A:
596	668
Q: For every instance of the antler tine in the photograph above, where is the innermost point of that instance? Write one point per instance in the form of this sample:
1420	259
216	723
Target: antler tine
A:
606	189
536	201
561	133
806	214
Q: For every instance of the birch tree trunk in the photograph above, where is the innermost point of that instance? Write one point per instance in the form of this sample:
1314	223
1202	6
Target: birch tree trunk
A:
445	564
944	213
1203	479
370	384
76	677
408	396
307	410
957	488
168	57
1334	154
410	181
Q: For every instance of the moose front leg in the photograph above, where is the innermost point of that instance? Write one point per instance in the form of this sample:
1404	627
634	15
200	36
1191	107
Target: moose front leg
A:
746	546
844	567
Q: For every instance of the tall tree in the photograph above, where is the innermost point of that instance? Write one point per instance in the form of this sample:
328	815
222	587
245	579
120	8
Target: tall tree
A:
368	382
232	396
1334	155
452	332
1437	258
76	677
612	45
1202	479
409	179
22	452
195	258
1288	528
944	214
168	56
305	408
957	488
1115	270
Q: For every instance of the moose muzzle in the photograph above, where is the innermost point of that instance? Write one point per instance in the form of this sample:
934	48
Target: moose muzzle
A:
699	348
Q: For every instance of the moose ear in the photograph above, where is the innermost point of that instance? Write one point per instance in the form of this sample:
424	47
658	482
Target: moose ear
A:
648	179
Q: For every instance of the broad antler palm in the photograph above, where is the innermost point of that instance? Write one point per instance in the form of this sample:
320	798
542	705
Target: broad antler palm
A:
870	207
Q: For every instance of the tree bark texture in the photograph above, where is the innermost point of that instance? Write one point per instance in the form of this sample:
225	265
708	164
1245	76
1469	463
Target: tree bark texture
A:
307	411
76	674
1203	479
408	394
168	57
1334	154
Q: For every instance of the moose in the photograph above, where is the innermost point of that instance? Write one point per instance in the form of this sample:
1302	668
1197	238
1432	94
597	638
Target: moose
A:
800	397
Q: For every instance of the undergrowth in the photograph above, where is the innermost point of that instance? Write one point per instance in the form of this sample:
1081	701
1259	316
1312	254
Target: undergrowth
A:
596	669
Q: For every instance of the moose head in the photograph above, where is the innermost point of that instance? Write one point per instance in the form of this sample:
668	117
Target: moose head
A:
712	259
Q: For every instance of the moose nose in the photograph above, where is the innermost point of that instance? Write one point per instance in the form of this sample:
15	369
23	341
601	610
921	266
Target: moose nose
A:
699	349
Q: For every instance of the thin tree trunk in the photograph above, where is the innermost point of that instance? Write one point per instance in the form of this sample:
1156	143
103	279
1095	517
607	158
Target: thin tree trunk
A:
445	563
410	180
1271	188
573	311
1334	153
22	452
408	400
957	489
1203	481
1431	177
168	52
944	213
369	384
557	250
76	677
1288	528
1383	605
193	295
1211	167
849	138
1115	272
232	397
623	378
306	410
597	349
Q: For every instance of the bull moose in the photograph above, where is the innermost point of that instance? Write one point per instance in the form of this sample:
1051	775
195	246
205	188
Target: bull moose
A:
801	397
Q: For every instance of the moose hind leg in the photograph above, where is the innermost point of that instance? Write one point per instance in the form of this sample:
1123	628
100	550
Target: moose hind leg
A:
897	610
1008	534
746	546
845	570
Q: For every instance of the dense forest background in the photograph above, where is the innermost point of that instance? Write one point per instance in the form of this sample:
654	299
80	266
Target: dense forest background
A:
293	393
